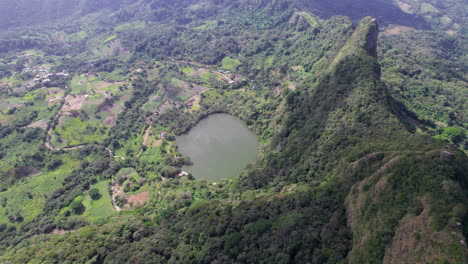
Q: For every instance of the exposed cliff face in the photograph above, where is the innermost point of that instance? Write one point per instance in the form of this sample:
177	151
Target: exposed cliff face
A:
371	37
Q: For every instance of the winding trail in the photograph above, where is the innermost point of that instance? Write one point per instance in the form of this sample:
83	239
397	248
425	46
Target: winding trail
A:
49	145
112	155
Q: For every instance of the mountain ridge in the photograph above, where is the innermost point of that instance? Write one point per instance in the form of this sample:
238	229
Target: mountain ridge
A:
345	172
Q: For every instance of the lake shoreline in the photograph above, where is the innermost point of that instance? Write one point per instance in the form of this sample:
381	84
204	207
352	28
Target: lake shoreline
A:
220	146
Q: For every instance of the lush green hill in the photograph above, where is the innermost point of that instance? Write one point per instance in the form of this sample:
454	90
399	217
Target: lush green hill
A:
362	137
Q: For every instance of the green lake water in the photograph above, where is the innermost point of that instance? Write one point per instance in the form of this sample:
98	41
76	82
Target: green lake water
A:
220	146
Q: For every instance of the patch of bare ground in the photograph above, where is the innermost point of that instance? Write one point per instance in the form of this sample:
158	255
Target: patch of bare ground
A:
193	87
197	88
389	164
164	107
106	107
52	91
40	124
59	231
294	20
353	166
55	100
109	108
110	120
56	231
415	242
198	72
404	6
289	188
379	186
73	102
133	200
125	97
157	143
451	32
355	202
292	86
395	30
32	171
102	86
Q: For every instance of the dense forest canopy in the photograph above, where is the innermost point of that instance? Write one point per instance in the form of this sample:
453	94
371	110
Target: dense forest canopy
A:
359	107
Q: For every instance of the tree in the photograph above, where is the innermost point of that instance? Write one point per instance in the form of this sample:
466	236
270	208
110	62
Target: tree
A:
454	134
54	164
77	207
94	194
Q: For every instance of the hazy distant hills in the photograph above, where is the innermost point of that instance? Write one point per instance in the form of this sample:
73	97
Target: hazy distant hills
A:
30	12
427	14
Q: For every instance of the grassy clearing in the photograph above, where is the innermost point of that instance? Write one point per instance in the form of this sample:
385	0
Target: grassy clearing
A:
187	70
80	35
101	208
117	75
127	172
309	19
229	63
209	77
132	25
210	24
33	52
428	8
151	155
111	38
152	105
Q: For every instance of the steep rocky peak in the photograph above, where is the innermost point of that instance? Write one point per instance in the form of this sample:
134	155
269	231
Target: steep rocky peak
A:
362	44
366	35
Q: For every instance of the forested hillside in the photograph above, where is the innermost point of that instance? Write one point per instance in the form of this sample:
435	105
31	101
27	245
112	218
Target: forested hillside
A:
360	110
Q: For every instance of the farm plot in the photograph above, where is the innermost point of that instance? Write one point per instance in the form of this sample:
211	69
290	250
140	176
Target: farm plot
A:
26	109
89	110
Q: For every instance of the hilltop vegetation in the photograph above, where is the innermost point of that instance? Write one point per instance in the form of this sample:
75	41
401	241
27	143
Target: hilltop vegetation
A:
363	141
